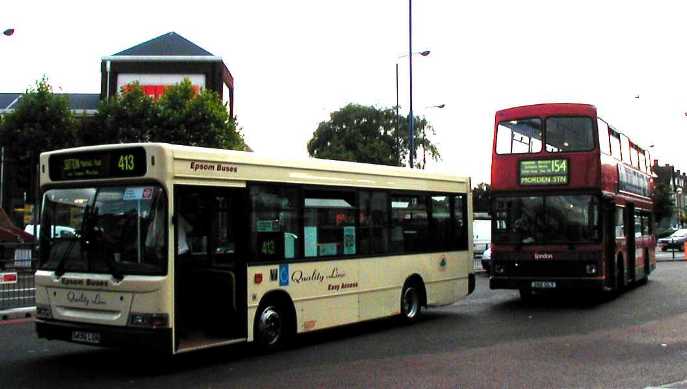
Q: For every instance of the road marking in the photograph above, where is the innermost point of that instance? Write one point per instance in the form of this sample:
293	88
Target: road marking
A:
15	321
679	384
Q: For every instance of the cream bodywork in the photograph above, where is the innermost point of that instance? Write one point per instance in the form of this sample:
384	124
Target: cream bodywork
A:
337	292
378	280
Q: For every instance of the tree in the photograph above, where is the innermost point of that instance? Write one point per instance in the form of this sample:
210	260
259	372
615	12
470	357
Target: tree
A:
41	121
181	116
481	198
663	202
368	134
127	117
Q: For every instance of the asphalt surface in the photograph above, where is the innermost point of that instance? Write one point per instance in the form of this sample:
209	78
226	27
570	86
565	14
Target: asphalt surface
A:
491	339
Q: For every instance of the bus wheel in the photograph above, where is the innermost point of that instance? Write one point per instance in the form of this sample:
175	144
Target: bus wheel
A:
271	328
411	306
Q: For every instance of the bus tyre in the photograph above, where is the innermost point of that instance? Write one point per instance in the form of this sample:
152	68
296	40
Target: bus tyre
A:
271	327
411	305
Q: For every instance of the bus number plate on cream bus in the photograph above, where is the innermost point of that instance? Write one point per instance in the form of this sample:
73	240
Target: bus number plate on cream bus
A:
86	337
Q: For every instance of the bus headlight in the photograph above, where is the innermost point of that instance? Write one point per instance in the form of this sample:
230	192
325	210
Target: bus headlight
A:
149	320
591	269
499	268
43	311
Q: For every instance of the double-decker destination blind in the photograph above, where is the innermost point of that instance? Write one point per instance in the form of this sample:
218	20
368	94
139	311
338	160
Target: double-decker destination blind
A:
544	172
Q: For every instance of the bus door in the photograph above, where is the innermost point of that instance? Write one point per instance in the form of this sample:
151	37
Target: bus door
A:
630	241
210	267
608	221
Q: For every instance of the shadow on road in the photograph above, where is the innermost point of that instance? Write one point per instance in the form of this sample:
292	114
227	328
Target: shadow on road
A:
113	364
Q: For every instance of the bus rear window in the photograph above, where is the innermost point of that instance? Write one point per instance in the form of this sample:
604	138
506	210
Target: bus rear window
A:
519	136
565	134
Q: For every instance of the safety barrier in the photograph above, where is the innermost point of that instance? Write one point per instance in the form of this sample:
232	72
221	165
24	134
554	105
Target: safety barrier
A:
17	266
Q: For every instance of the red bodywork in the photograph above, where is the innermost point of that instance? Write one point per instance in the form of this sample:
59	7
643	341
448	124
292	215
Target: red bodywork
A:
591	172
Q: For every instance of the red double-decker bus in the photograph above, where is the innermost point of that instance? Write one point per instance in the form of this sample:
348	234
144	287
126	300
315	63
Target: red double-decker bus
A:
572	202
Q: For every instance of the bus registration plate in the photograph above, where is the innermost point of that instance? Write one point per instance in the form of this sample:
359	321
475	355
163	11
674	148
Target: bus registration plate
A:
86	337
544	284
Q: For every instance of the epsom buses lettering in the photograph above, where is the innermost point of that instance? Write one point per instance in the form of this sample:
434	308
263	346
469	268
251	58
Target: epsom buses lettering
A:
544	172
218	167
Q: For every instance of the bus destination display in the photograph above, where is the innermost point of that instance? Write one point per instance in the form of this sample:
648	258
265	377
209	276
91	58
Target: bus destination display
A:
544	172
129	162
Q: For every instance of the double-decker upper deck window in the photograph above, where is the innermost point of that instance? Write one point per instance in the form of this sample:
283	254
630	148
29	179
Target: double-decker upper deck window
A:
604	142
565	134
625	144
615	145
519	136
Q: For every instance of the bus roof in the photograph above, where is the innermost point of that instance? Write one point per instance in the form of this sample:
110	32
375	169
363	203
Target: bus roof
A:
546	109
179	152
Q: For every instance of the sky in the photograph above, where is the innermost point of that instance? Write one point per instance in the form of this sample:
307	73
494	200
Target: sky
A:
294	62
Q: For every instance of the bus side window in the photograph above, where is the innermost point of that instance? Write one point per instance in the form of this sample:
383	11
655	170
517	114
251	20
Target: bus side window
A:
329	223
275	222
441	231
373	223
615	145
460	222
604	142
409	223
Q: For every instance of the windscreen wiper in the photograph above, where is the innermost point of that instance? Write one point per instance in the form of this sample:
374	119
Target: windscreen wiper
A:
107	257
59	269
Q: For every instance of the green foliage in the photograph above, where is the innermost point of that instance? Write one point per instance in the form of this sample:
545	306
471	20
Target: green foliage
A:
41	121
124	118
663	202
368	134
180	116
481	198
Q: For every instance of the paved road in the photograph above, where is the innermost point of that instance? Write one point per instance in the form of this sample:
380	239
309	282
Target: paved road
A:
489	340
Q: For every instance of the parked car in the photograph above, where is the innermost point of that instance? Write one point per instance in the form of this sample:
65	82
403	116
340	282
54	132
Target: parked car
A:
486	259
57	231
481	236
675	241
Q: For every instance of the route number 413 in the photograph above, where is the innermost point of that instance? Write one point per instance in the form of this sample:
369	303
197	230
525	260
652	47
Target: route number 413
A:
126	162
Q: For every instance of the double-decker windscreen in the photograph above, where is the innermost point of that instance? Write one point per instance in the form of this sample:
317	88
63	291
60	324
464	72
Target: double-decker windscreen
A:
550	219
555	134
112	229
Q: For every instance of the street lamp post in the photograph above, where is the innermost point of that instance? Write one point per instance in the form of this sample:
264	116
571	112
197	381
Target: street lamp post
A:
411	119
423	53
